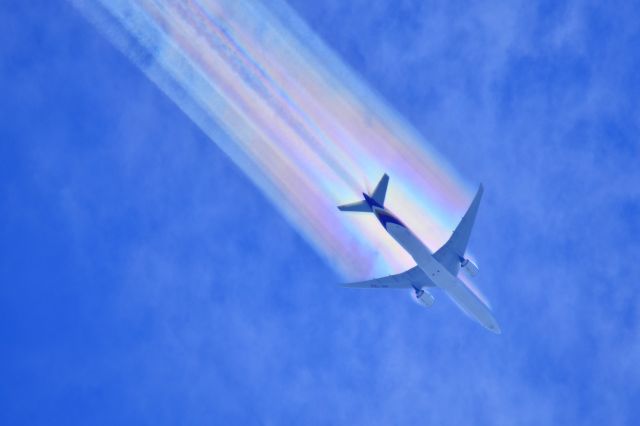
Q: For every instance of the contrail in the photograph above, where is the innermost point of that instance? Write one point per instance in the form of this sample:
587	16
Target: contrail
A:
307	131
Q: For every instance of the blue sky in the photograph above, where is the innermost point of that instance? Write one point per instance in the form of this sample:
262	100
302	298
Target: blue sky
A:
144	279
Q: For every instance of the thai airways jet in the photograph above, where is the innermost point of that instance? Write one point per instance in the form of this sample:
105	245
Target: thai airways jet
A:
439	269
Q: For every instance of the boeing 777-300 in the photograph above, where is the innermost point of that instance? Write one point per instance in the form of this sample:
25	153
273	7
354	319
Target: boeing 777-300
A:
439	269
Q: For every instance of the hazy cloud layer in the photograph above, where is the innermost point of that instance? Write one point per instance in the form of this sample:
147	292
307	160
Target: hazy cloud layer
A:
145	280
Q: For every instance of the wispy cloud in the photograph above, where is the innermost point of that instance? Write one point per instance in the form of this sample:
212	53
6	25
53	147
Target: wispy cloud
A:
300	124
154	311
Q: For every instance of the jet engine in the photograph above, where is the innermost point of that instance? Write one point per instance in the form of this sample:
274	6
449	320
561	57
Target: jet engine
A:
425	297
470	267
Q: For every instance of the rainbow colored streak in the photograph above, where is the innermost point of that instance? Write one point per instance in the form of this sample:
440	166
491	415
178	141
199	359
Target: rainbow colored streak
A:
305	128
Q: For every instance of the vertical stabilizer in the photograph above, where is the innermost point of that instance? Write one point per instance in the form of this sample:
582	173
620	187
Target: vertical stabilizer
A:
376	198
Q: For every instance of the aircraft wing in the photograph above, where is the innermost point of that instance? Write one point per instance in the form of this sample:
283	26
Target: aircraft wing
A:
452	252
413	277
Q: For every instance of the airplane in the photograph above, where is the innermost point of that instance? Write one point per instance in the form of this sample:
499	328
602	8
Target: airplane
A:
439	269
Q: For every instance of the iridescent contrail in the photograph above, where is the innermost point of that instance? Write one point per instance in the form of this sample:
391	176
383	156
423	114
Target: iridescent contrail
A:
293	117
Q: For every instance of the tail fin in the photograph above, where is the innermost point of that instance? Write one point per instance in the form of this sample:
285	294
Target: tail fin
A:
377	196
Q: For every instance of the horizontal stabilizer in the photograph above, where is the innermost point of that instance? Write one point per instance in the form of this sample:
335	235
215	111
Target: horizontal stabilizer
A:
381	190
413	277
377	196
358	206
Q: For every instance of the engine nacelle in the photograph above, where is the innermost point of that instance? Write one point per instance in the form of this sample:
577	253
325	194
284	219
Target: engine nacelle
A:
425	297
470	267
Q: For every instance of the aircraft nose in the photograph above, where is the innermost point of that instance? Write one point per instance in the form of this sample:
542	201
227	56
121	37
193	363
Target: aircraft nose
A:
495	328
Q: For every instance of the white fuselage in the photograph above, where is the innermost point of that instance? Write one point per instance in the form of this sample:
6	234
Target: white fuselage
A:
438	274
